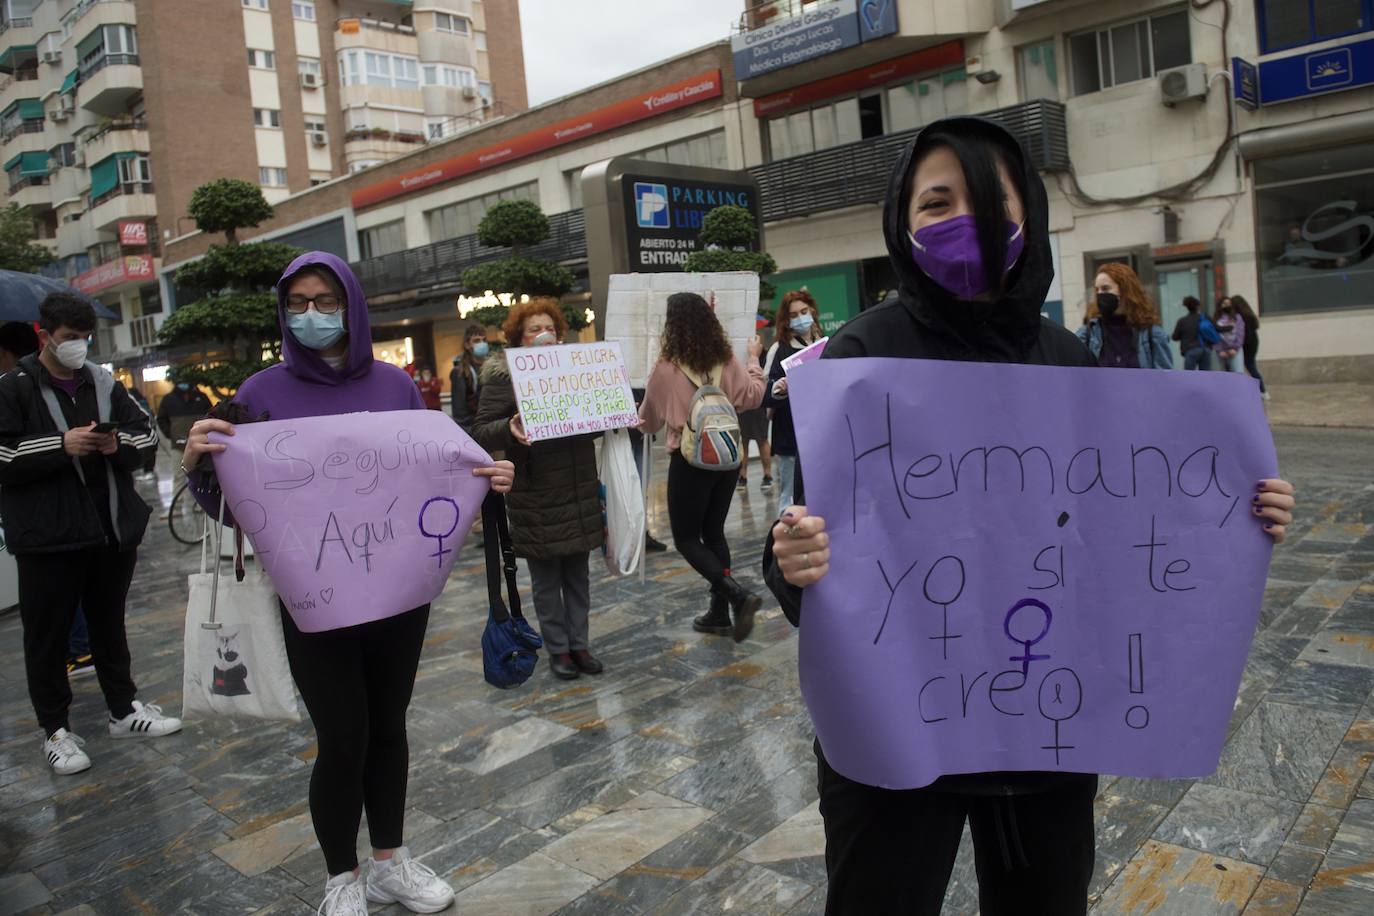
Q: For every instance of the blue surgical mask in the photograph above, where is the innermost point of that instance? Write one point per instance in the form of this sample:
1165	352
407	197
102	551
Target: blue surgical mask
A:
802	323
183	386
481	350
316	331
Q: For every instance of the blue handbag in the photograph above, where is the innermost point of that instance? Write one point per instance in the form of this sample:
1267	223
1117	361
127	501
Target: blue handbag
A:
509	644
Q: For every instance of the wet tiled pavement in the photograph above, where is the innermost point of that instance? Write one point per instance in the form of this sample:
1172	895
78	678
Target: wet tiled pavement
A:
682	780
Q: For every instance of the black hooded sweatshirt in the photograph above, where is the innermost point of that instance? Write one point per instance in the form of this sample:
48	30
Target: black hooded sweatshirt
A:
926	322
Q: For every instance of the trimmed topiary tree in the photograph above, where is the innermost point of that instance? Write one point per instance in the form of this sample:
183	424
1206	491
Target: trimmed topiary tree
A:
517	225
728	232
228	205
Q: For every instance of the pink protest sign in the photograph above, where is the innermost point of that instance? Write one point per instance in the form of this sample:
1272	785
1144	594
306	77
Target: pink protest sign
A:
571	389
1033	568
354	517
805	355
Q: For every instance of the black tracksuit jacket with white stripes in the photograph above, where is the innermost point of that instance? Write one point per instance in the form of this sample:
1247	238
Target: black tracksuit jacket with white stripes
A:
45	504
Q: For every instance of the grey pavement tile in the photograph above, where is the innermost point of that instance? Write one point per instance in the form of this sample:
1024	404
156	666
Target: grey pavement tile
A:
1295	864
768	805
1167	880
1122	826
1355	837
1165	792
1335	688
1280	751
1340	646
1343	887
1230	823
739	886
1300	620
20	892
747	763
1274	898
1315	827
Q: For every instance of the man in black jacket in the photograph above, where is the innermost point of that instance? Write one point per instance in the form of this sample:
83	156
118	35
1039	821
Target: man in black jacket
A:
185	403
69	442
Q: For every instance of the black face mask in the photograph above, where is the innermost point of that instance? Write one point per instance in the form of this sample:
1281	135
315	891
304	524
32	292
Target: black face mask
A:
1108	303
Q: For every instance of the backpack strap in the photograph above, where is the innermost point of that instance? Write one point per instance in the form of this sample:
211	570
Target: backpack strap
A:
500	555
712	378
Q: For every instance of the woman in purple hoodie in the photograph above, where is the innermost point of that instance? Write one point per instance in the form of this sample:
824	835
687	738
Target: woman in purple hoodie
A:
356	681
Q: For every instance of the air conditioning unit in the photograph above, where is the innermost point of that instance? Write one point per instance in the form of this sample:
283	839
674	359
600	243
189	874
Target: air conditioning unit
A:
59	115
52	57
1180	84
310	80
319	138
469	92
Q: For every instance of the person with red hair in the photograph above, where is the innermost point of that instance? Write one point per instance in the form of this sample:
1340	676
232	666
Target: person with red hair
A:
1121	327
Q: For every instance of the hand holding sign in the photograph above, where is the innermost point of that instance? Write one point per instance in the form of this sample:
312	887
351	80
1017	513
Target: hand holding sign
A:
570	390
355	517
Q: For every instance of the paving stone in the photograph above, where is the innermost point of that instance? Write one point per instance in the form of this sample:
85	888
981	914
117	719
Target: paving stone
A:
1167	880
1230	823
737	886
608	845
1295	864
1280	751
533	886
1274	898
20	892
1338	688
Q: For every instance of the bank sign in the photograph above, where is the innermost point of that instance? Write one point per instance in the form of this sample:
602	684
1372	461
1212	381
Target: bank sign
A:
821	29
1301	76
663	217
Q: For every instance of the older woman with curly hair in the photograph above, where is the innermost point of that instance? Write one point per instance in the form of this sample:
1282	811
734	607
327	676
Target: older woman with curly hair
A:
555	506
694	351
1121	327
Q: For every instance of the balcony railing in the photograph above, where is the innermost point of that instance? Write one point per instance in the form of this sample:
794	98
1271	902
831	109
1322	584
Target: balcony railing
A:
30	126
106	61
143	331
379	24
129	124
442	263
23	22
30	181
857	173
124	187
85	6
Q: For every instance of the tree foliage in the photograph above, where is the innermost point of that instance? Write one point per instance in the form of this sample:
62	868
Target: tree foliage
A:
729	226
18	251
513	224
519	276
227	205
729	230
254	265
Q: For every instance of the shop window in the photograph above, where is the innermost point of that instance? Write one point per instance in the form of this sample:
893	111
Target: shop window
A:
462	218
1039	71
384	239
1290	23
1315	230
1128	51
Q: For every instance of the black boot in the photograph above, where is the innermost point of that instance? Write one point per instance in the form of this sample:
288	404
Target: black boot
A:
744	604
563	667
716	621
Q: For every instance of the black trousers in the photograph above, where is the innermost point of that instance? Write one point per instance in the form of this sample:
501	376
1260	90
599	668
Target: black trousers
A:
698	504
51	587
356	683
890	853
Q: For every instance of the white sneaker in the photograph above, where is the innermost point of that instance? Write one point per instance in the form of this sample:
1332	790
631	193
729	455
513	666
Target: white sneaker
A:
403	880
343	896
146	721
64	753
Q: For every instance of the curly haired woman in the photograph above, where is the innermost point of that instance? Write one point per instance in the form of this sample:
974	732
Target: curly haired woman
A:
694	351
555	508
1121	327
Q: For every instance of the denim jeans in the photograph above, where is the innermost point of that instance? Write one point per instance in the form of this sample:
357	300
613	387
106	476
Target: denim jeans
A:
1234	363
1198	358
787	472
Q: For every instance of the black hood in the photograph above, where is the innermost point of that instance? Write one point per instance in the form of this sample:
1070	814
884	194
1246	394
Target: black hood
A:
1003	330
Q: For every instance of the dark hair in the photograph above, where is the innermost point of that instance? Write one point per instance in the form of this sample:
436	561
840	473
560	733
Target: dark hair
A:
692	335
979	156
1191	303
1246	312
66	310
473	330
465	360
18	337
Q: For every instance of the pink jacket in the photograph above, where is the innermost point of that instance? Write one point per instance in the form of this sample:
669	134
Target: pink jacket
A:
669	392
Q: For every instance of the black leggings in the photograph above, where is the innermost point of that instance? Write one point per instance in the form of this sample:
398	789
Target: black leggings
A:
698	504
890	853
356	683
1252	364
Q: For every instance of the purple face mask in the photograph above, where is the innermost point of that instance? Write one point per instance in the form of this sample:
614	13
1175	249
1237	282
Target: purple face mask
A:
948	253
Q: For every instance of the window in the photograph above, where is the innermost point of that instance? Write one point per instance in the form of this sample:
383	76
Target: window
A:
63	154
451	77
484	90
308	65
706	150
303	9
1314	241
363	164
1039	71
255	4
384	239
272	178
462	218
266	117
480	38
379	69
263	60
1289	23
316	181
312	125
447	22
435	128
1130	51
135	170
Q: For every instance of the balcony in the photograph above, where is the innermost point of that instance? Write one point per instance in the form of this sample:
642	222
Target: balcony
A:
24	137
110	83
376	34
128	136
442	263
127	200
857	173
31	191
93	13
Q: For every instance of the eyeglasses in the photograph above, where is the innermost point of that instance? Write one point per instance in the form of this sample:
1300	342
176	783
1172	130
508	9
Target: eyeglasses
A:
325	304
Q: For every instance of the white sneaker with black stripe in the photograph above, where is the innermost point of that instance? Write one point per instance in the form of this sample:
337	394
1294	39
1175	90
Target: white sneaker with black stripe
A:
64	753
146	721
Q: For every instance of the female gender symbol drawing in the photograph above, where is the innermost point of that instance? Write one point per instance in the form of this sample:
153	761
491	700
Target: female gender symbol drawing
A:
953	588
439	551
1025	658
1061	697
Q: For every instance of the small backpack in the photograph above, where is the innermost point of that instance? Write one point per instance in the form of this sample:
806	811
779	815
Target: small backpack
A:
711	438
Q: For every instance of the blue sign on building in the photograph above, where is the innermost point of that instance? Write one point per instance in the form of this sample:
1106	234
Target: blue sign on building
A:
877	19
1301	76
1245	83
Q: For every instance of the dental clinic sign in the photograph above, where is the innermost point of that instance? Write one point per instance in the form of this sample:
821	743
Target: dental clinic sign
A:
821	29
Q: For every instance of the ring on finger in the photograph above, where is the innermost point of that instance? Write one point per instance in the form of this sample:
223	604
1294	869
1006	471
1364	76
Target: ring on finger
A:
794	531
806	560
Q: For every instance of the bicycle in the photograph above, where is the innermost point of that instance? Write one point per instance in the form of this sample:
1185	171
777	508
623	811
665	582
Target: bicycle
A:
185	517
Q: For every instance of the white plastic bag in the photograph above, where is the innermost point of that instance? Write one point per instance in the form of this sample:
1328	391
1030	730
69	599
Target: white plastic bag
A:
235	662
624	503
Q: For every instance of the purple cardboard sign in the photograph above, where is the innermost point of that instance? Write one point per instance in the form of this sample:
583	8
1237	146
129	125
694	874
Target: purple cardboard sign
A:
1033	568
354	517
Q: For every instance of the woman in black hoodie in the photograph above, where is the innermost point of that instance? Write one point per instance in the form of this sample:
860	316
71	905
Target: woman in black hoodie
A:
967	230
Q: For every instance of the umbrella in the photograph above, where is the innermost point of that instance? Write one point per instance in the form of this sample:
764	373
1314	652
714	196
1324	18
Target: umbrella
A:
21	294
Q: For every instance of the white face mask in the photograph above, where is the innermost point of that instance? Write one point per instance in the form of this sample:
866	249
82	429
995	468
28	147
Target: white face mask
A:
72	353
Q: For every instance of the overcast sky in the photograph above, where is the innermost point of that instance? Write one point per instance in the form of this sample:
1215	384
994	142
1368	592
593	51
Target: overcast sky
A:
569	46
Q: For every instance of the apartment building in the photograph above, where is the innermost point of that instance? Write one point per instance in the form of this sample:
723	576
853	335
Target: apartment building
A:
112	112
1255	124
